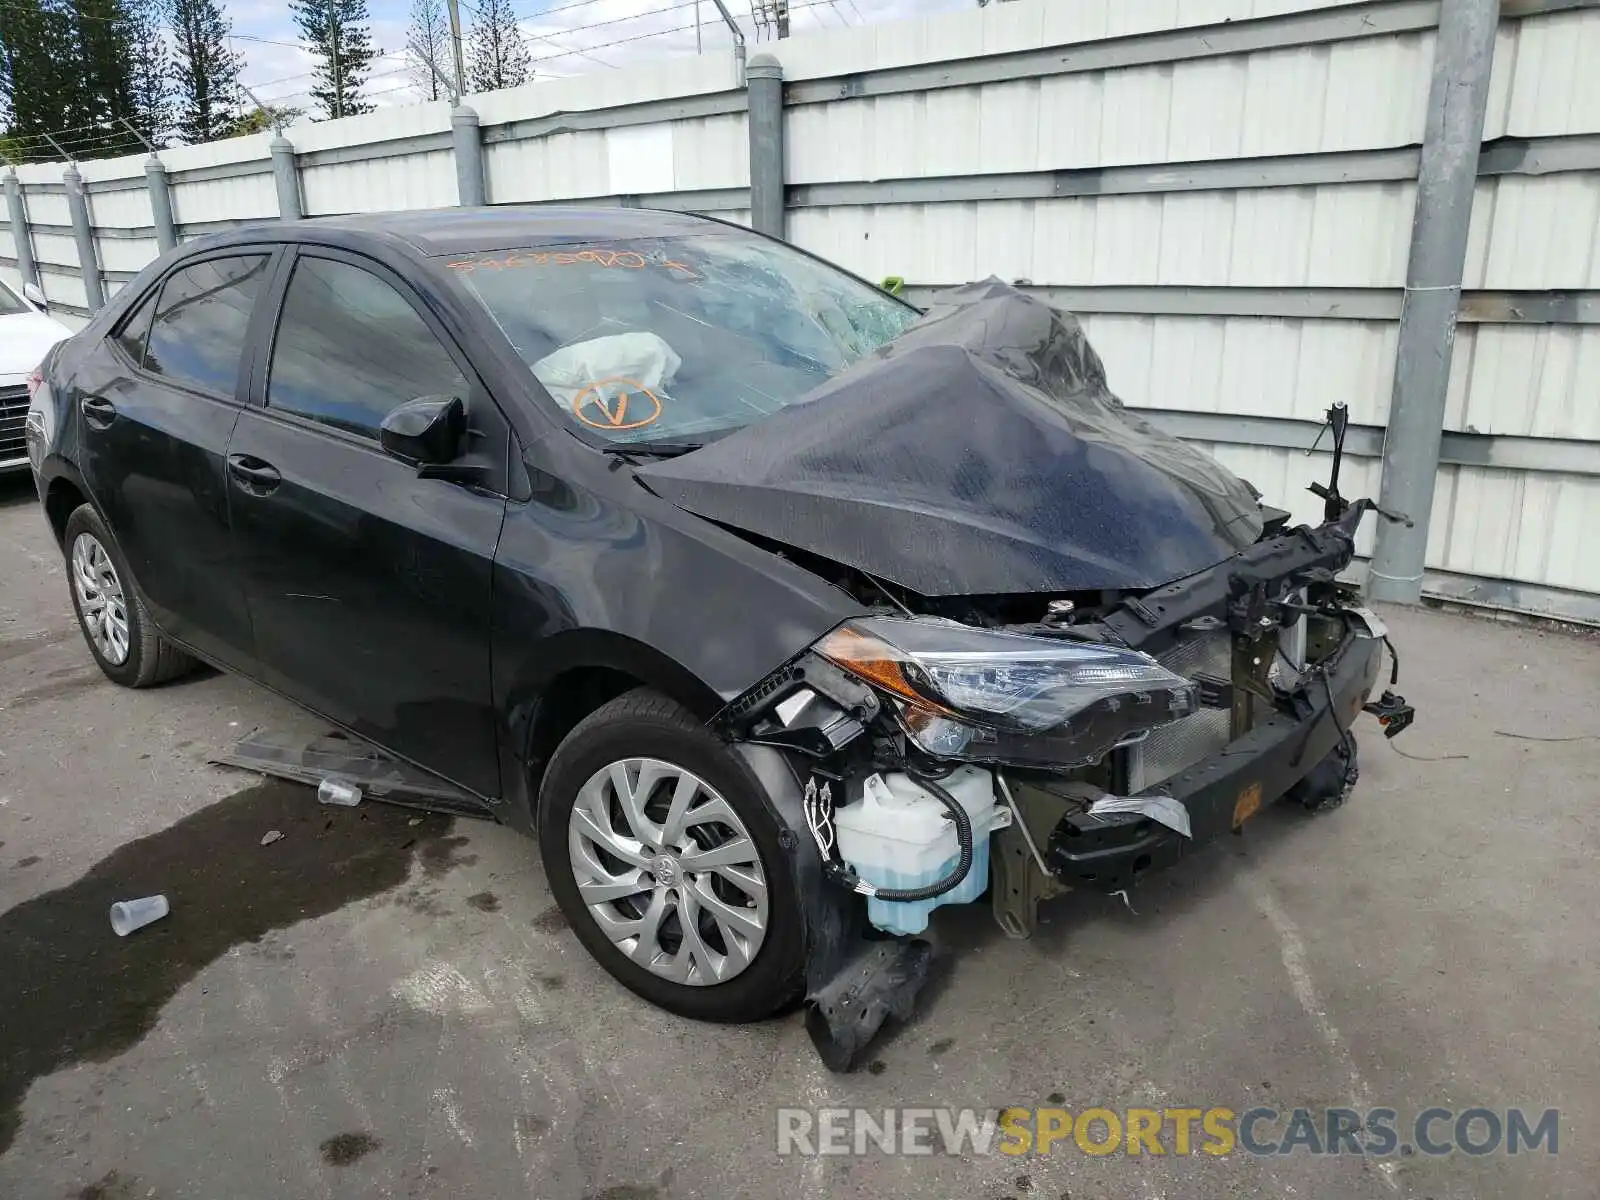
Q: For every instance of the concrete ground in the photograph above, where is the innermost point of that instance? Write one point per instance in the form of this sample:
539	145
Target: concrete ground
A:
377	1007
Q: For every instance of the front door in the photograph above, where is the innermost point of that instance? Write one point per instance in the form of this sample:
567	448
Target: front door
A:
368	586
159	400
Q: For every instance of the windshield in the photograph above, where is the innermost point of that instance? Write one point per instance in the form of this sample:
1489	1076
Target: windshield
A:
679	339
10	303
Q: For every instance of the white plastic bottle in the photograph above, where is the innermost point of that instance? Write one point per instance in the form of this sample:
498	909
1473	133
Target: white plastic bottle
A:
897	835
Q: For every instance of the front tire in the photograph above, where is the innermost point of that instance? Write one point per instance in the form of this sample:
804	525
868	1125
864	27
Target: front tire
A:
111	613
663	852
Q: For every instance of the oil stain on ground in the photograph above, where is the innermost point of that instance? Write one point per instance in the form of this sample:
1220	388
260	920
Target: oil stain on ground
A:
342	1149
79	993
113	1185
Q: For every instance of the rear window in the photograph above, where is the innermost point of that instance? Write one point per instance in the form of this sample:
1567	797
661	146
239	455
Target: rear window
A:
682	338
197	336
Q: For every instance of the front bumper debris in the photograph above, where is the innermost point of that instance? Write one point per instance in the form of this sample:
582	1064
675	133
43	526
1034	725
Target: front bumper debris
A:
1221	792
1283	660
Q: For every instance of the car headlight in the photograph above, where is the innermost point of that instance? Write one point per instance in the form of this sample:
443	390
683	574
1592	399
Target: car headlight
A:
970	693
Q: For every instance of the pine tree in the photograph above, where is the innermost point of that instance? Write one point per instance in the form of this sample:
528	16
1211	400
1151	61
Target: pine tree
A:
499	56
41	91
104	63
428	48
205	70
152	72
336	31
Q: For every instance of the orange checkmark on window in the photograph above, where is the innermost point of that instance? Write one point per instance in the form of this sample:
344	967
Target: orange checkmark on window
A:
617	404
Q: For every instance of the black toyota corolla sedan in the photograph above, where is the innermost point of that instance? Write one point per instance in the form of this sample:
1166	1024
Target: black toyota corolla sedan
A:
780	610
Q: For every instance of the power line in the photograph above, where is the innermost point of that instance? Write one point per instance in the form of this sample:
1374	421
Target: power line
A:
654	33
558	8
649	12
308	74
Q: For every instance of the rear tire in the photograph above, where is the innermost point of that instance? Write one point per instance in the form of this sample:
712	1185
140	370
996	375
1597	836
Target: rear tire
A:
741	957
111	613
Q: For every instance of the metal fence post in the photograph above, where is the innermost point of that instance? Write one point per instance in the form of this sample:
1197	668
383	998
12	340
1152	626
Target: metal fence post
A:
287	178
21	234
468	145
83	235
155	175
764	91
1462	57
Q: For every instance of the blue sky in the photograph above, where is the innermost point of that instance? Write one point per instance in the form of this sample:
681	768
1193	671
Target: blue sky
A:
565	37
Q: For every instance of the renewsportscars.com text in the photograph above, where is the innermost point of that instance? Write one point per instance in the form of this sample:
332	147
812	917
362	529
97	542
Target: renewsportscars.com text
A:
1216	1131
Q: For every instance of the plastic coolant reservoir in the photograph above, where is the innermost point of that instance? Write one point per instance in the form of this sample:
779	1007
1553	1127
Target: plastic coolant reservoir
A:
898	836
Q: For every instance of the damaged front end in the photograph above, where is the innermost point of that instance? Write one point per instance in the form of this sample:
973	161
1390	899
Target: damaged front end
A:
1081	749
1083	645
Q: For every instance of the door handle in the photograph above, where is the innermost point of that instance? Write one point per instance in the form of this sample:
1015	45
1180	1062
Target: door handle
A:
97	410
257	476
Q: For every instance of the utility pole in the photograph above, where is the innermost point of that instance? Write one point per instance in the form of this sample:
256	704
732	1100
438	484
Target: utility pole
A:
1463	53
455	46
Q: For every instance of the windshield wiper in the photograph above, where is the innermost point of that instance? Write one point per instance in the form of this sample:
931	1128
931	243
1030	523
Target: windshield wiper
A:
637	452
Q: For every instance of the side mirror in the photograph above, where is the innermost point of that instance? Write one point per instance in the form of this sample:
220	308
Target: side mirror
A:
427	431
35	295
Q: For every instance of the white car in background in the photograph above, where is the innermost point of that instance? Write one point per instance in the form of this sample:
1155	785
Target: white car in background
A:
26	335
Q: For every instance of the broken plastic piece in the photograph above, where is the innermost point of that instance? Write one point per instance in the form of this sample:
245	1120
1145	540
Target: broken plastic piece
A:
338	756
881	981
1162	809
333	791
128	915
1375	628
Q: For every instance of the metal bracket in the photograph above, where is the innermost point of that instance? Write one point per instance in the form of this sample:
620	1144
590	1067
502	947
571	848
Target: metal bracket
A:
1020	878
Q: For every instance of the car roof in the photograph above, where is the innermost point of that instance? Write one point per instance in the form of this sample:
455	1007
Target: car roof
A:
466	230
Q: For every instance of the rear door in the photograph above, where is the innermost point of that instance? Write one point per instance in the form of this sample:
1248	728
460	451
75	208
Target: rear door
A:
158	401
368	586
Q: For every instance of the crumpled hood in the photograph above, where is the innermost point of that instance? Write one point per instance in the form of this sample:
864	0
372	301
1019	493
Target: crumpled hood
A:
979	453
25	338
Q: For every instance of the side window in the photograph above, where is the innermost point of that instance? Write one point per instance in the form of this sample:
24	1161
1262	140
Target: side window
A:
136	329
197	336
350	348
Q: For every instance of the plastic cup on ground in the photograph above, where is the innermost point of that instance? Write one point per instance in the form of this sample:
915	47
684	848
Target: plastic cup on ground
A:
128	915
345	795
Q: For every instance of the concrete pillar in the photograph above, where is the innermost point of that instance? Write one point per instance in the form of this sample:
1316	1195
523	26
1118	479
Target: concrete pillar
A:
764	90
287	178
83	235
21	234
155	174
468	147
1462	57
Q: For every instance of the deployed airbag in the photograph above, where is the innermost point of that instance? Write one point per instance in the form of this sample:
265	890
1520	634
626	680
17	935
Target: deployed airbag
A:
980	452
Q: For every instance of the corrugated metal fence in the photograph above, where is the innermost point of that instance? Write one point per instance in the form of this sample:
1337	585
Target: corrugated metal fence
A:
1222	189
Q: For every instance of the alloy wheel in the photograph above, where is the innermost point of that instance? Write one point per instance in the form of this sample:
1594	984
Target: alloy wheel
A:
101	601
668	871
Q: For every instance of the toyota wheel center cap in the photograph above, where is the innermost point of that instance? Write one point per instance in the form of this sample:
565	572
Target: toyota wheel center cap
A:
667	870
